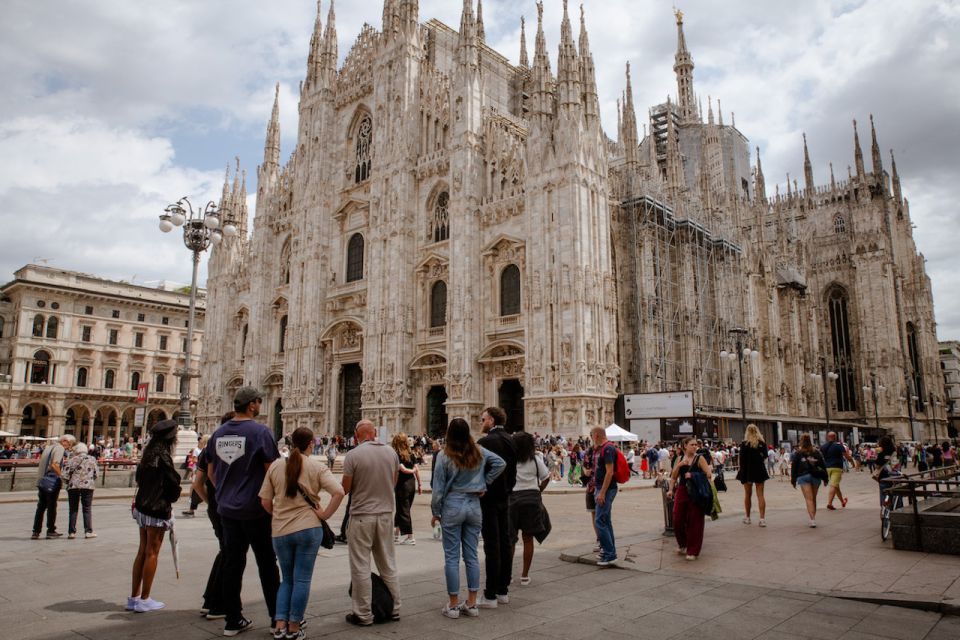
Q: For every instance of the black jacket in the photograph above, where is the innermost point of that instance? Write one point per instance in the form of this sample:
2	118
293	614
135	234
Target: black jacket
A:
501	443
158	486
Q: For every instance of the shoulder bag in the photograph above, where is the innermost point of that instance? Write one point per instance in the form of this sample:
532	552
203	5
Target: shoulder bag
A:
328	536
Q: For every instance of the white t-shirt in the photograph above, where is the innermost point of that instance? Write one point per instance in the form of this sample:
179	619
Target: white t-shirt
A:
530	474
663	454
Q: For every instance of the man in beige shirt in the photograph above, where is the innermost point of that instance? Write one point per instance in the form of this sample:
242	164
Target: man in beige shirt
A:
369	475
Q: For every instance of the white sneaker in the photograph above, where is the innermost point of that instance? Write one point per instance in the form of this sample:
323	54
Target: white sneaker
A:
473	611
132	602
149	604
450	612
503	599
409	541
763	523
813	524
483	603
746	520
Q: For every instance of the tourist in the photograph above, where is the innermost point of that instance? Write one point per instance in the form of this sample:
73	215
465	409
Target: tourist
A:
687	515
331	454
753	472
590	496
527	513
193	467
291	494
80	475
463	471
497	546
50	460
239	453
949	454
370	473
808	471
888	464
784	464
834	454
158	487
604	479
408	485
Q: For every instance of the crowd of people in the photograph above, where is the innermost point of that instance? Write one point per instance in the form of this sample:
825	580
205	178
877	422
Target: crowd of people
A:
276	498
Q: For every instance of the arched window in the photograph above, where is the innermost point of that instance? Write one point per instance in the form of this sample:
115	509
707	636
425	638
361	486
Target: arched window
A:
109	378
52	326
510	291
438	304
38	326
839	226
134	380
842	343
440	221
283	334
363	148
82	377
916	366
161	383
40	368
355	258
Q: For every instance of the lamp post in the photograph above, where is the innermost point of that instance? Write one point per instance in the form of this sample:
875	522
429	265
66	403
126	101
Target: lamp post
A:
201	228
826	377
873	389
740	353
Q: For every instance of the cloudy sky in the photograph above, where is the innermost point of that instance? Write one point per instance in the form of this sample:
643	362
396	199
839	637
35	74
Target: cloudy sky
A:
111	109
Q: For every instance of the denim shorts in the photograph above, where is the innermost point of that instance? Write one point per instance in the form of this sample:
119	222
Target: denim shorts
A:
807	479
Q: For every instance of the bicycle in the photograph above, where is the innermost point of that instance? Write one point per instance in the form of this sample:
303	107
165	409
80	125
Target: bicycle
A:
891	502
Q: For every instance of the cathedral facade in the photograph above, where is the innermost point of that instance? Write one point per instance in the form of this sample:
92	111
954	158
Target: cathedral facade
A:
453	231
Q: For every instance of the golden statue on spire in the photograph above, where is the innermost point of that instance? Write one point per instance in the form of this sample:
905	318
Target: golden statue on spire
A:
679	15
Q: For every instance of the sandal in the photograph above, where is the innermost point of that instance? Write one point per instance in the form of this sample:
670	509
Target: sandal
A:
524	580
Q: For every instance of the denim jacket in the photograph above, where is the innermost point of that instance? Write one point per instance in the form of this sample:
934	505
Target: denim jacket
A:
448	479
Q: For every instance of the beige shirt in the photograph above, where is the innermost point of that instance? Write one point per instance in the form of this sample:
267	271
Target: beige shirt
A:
294	514
373	466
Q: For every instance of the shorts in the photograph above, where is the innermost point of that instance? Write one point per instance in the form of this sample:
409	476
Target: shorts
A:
834	476
591	501
807	479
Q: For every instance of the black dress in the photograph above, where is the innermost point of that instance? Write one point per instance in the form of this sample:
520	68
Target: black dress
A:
404	491
753	463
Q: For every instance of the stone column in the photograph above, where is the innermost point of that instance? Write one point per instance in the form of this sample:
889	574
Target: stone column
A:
90	429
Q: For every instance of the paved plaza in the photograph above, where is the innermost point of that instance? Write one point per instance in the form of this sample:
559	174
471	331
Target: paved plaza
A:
777	582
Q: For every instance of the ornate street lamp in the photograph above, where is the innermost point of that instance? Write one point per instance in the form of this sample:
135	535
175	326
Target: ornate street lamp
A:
201	228
740	353
873	389
826	377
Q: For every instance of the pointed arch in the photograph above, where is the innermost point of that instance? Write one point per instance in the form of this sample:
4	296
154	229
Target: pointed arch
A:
360	137
355	247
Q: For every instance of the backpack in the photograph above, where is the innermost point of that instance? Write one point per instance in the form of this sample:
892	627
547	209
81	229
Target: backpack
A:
381	602
621	470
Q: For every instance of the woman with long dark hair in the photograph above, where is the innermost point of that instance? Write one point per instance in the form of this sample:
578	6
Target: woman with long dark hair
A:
808	471
687	516
460	476
527	513
408	484
753	472
888	463
158	487
291	493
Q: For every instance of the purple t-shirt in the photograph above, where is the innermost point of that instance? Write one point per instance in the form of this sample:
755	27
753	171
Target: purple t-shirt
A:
238	452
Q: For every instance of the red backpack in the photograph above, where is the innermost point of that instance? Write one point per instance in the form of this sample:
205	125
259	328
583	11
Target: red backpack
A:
621	470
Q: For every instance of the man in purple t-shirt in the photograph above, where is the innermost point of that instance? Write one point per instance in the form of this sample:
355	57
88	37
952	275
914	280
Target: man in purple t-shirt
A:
239	454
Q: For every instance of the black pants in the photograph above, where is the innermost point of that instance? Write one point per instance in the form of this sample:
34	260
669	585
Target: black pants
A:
46	503
194	500
238	537
404	493
75	498
213	594
498	559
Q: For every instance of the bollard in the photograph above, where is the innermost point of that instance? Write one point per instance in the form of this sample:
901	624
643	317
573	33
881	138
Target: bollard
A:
667	510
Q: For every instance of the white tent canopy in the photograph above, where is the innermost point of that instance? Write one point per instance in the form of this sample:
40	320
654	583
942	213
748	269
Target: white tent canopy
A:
618	434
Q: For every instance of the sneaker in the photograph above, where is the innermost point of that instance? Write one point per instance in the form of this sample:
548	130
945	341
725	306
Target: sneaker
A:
149	604
607	563
483	603
279	634
813	524
132	602
473	611
54	534
34	536
524	581
299	634
597	547
355	620
682	551
204	611
216	615
188	514
409	541
830	507
746	520
503	598
71	536
763	523
89	534
691	558
234	629
450	612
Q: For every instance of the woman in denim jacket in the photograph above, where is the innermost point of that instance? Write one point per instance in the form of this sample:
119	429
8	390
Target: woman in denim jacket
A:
460	476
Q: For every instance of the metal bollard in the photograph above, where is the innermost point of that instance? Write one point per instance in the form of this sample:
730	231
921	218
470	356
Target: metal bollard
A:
667	510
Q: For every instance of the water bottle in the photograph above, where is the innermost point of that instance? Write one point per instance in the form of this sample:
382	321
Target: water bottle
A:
436	532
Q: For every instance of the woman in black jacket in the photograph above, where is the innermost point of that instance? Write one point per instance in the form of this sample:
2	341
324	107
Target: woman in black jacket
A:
808	471
158	487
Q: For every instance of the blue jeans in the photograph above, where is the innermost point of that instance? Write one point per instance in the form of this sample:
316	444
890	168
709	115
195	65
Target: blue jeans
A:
460	522
296	553
601	517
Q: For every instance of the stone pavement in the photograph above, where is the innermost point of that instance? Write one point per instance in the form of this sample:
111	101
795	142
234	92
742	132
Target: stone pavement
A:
75	588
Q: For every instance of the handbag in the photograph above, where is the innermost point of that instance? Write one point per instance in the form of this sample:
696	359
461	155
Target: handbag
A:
328	536
698	488
49	482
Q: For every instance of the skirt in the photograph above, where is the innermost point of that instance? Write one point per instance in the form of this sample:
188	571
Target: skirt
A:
143	520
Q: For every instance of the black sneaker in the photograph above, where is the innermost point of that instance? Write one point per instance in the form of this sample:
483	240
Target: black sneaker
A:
354	619
34	536
233	629
54	534
216	615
